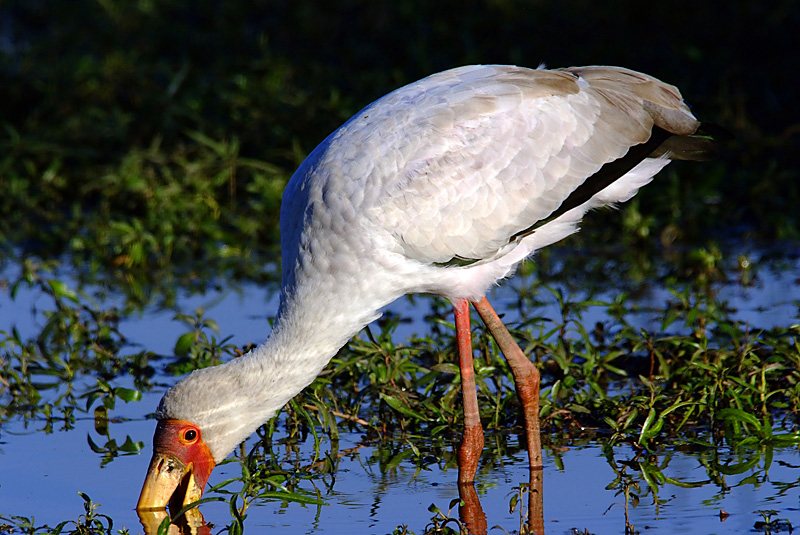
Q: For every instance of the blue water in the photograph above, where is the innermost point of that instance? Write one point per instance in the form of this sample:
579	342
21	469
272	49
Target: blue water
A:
42	473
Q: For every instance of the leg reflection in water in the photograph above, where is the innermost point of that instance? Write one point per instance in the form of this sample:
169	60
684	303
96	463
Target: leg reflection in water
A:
471	514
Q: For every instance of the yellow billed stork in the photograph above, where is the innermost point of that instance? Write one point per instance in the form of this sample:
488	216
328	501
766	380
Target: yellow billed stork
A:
442	186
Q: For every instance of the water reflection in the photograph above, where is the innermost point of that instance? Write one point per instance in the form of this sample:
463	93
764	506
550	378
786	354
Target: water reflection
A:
587	488
472	515
190	523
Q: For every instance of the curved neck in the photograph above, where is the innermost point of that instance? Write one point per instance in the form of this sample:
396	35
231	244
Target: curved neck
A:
229	402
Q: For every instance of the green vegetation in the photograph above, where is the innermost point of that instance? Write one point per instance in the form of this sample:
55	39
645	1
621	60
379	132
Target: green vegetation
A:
144	147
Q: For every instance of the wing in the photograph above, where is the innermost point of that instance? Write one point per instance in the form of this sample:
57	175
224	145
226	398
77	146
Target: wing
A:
455	165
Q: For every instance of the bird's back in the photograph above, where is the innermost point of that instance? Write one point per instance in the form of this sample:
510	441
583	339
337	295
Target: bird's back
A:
453	169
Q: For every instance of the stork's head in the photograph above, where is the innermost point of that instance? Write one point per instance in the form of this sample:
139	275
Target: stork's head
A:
179	468
187	442
201	420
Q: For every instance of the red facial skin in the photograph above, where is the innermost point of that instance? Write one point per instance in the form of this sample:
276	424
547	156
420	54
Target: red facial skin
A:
181	462
174	437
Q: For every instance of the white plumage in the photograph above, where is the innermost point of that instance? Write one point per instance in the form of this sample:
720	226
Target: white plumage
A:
436	187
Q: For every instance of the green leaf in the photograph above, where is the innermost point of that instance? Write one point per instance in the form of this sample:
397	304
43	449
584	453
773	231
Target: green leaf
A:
786	439
512	503
291	496
129	446
94	447
101	420
184	344
400	407
61	290
128	394
652	425
740	416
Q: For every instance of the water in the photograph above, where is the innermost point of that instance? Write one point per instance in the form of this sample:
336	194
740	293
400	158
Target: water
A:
42	472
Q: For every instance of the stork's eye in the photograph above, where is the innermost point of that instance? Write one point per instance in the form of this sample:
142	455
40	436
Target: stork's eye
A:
189	435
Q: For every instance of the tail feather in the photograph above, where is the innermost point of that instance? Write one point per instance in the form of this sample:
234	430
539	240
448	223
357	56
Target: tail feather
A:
703	145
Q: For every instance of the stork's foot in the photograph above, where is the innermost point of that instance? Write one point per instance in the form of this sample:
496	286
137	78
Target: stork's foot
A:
469	453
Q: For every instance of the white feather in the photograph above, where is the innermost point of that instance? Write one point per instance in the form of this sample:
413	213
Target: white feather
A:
450	167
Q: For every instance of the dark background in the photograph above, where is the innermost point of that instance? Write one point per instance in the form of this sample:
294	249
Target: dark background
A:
86	83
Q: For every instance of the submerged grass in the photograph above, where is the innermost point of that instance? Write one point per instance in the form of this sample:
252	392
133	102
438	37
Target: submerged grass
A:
702	381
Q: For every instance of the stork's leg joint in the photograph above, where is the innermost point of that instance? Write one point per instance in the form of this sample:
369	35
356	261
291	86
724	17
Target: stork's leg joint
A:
526	378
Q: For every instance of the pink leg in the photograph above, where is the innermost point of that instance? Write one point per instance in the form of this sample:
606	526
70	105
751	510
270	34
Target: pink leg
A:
469	452
526	378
